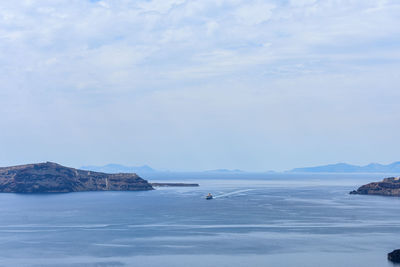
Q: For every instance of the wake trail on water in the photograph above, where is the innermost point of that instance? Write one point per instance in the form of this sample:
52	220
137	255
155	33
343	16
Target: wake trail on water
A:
232	193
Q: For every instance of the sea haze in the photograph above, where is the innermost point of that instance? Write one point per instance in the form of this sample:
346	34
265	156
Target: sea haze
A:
254	220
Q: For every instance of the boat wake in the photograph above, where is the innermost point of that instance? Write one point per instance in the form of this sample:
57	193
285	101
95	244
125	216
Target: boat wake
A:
233	193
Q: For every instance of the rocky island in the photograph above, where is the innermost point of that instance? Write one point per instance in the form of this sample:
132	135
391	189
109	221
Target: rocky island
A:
51	177
394	256
387	187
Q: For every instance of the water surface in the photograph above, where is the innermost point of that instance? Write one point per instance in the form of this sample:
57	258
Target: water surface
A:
254	220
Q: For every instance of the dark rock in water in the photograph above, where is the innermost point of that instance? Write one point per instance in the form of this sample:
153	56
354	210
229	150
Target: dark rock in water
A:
394	256
53	178
387	187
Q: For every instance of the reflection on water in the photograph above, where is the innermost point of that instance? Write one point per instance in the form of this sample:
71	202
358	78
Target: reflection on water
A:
279	221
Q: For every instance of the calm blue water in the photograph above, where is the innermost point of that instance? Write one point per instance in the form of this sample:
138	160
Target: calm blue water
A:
254	220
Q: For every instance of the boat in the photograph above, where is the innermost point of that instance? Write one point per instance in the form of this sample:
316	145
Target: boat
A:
209	196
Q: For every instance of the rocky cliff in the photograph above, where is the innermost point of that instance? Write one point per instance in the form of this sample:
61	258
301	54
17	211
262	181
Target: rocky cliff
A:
394	256
53	178
387	187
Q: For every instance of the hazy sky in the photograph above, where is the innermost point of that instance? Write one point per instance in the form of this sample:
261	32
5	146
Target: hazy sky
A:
195	85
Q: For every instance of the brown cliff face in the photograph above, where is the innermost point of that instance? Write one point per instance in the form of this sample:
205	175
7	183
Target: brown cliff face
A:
387	187
53	178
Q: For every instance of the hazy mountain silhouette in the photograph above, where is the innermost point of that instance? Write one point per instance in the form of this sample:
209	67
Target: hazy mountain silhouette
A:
344	167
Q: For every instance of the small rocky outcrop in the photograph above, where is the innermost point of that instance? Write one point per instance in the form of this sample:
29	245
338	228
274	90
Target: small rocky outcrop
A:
394	256
387	187
51	177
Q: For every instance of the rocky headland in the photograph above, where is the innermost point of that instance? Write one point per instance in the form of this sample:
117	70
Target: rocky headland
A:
387	187
394	256
51	177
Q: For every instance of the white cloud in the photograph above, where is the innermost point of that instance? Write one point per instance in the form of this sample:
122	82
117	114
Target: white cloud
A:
301	3
254	12
160	6
143	66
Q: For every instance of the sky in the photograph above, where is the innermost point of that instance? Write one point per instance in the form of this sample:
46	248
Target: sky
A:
198	85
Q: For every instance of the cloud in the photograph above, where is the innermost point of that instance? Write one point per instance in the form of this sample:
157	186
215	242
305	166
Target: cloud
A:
194	77
301	3
254	13
159	6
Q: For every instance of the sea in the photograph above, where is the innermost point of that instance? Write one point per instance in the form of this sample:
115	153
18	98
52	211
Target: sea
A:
285	219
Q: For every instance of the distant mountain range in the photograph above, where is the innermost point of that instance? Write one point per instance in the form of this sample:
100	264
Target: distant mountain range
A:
344	167
331	168
117	168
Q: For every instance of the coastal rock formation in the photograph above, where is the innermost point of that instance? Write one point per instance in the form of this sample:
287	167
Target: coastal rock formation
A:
53	178
394	256
387	187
